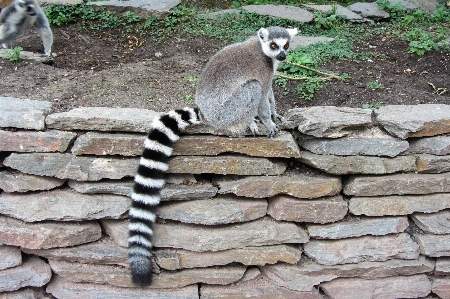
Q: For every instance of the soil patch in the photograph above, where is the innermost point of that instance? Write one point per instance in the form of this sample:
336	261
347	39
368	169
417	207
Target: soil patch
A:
111	69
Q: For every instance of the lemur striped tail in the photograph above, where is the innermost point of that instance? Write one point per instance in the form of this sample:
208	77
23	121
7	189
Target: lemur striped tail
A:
149	180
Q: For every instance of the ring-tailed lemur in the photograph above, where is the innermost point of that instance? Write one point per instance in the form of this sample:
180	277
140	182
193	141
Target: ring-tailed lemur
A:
18	16
234	87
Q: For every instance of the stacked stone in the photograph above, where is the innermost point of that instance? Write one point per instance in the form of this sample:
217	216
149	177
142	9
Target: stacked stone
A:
240	217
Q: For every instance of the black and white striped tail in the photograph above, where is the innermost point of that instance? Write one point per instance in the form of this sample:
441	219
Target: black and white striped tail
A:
149	180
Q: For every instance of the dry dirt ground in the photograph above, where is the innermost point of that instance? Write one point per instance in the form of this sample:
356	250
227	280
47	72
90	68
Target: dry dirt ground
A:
110	69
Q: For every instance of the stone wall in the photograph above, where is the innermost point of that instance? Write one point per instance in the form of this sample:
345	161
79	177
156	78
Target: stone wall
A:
343	203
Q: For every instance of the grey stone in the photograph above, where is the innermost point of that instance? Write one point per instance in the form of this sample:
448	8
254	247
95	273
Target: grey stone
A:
9	257
220	210
303	41
147	8
427	5
23	114
27	293
62	205
405	121
294	184
328	121
281	11
358	164
101	144
442	266
414	286
258	288
34	272
66	166
124	187
173	259
282	145
441	287
103	251
61	288
358	227
103	119
121	277
226	164
399	205
28	141
220	14
305	276
371	142
322	210
435	223
44	235
368	248
403	4
340	11
202	238
433	164
433	245
19	182
369	10
405	183
438	145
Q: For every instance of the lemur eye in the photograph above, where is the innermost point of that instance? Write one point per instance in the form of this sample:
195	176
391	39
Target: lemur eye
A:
286	46
273	46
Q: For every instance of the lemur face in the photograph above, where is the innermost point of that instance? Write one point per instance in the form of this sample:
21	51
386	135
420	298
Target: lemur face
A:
275	41
27	6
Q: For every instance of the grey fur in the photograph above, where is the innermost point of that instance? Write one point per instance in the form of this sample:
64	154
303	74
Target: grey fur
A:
18	16
236	84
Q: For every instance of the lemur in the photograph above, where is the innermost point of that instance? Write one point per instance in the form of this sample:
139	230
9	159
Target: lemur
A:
234	87
18	16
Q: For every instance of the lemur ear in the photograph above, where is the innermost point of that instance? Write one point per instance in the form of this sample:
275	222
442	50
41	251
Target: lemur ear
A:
292	31
263	34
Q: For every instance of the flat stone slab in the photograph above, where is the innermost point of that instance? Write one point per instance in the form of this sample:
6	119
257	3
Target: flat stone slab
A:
308	274
433	164
173	259
358	227
220	210
103	119
215	238
303	41
23	114
414	286
45	235
124	187
62	205
29	56
67	166
399	205
442	266
342	165
371	142
281	11
121	277
441	287
260	287
103	251
20	182
322	210
433	245
297	185
147	8
438	145
406	121
34	272
368	248
329	121
434	223
61	288
28	141
340	11
369	10
10	256
404	183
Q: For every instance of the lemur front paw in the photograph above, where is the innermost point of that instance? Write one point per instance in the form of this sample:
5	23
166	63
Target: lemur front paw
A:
272	129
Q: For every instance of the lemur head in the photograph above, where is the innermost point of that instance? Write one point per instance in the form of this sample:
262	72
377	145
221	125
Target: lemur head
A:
27	6
275	41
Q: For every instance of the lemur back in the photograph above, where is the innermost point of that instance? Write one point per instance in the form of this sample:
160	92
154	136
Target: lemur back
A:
234	87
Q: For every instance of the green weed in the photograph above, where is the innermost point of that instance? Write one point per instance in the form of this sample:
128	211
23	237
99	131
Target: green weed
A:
374	85
14	54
